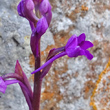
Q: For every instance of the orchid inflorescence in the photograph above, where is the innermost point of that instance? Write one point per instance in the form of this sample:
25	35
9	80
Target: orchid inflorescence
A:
39	14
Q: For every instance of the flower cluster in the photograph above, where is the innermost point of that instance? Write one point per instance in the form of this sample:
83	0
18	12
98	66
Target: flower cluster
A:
38	13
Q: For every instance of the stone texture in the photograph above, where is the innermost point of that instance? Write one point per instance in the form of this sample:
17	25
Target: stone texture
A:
70	82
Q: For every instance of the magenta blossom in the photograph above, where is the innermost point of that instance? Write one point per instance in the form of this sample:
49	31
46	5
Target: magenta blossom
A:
76	46
25	9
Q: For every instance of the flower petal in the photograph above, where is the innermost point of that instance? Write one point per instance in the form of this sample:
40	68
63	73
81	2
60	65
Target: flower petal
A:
85	45
42	26
48	16
81	38
72	42
45	9
44	6
86	53
20	9
25	9
73	52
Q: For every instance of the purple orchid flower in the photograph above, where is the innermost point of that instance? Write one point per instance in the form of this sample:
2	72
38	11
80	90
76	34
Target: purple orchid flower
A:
25	9
76	46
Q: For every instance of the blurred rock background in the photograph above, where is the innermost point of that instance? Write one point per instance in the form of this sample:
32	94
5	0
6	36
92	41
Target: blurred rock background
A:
70	82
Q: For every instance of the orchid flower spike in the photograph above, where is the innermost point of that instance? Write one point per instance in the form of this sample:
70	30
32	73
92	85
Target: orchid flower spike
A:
76	46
